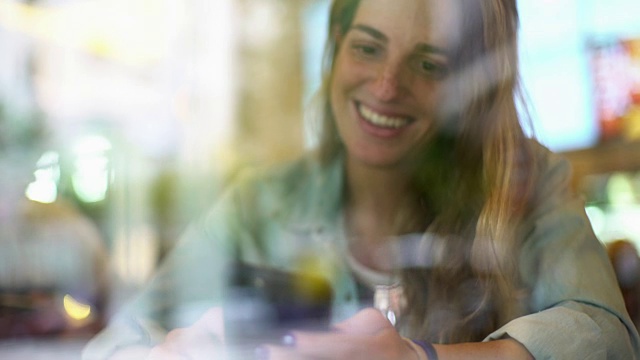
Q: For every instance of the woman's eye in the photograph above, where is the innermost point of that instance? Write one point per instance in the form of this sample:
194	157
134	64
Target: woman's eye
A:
365	50
433	70
428	66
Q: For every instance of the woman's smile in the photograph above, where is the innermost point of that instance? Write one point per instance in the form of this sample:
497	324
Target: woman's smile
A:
381	123
381	119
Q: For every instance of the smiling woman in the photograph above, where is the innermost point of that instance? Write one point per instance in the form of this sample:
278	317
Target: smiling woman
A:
387	80
441	229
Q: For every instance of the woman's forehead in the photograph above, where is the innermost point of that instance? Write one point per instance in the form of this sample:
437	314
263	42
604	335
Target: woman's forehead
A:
432	21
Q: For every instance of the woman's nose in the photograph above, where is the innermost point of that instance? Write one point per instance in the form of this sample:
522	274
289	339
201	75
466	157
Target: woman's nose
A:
388	83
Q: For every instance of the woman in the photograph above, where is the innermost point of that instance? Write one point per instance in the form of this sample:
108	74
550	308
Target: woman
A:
424	183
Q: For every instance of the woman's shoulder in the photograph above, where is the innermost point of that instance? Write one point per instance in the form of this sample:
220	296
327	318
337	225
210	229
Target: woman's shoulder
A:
552	169
296	186
551	189
288	176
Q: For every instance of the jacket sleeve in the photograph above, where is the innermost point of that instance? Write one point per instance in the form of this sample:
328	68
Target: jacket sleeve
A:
577	311
188	283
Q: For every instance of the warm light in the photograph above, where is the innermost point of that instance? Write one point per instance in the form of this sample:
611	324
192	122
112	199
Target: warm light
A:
75	309
133	32
135	254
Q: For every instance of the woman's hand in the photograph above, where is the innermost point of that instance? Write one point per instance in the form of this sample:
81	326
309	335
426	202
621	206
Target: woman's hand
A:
202	340
368	335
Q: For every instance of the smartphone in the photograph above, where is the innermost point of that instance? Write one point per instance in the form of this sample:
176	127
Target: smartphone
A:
262	304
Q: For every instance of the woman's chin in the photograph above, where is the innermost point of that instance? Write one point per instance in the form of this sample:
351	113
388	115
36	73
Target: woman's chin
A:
379	160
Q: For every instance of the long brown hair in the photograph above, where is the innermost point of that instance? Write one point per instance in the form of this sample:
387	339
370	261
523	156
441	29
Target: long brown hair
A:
474	177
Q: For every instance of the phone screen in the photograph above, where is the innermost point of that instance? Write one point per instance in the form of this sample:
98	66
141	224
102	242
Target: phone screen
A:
262	304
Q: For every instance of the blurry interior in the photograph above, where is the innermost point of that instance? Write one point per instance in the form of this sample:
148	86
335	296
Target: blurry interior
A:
122	120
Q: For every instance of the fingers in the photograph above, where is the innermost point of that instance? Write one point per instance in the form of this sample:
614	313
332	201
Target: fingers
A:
161	353
340	350
170	347
367	321
367	335
314	344
212	323
199	341
270	352
187	348
332	345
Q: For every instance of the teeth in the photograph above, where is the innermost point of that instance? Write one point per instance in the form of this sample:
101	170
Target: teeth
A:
382	120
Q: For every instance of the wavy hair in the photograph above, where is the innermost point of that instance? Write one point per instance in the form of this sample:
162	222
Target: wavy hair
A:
474	176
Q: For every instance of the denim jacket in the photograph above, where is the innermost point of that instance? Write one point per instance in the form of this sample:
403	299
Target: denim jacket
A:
283	216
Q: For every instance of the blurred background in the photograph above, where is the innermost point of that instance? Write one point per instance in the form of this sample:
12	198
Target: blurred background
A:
121	120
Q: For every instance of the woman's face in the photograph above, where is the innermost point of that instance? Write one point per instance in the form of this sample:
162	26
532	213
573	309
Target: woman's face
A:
388	77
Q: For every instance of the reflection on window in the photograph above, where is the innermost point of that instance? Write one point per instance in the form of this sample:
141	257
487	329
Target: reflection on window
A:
614	205
90	177
44	188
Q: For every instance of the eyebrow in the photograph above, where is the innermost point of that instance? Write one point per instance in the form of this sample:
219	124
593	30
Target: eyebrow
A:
421	47
371	31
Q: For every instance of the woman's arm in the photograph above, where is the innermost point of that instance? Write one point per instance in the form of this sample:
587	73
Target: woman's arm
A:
497	349
575	303
188	283
369	335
